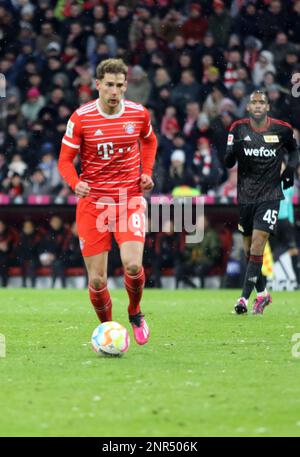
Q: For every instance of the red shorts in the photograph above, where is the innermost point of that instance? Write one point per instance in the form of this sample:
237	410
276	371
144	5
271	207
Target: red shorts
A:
96	223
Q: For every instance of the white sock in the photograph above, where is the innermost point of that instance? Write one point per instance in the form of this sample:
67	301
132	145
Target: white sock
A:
263	293
245	299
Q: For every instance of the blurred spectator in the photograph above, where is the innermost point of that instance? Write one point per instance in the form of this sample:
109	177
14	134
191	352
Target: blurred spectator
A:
72	253
177	142
3	168
25	253
220	23
195	26
46	36
220	127
236	263
229	187
50	249
210	77
167	249
169	122
176	47
233	64
209	47
120	26
247	23
212	104
269	80
262	66
206	166
160	94
17	165
294	23
38	184
239	96
243	75
279	48
100	35
139	87
6	245
272	21
183	62
16	188
171	25
289	65
35	102
198	259
48	166
276	102
203	128
191	118
178	174
251	53
186	91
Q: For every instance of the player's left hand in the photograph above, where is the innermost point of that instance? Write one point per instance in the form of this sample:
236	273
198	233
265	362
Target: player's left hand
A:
287	177
146	182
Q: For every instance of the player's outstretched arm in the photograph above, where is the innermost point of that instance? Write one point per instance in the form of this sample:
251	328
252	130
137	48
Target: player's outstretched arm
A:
148	153
66	166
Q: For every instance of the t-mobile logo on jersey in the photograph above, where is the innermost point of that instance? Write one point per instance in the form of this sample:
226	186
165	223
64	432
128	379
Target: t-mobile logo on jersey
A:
105	149
261	152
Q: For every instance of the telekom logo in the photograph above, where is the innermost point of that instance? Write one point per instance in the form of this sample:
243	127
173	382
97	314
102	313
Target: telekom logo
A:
105	150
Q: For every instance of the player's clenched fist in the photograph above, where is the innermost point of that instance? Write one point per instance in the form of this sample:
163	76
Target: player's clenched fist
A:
82	189
146	182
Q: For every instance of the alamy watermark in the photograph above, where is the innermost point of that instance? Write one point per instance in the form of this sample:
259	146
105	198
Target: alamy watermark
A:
296	346
296	85
2	345
186	214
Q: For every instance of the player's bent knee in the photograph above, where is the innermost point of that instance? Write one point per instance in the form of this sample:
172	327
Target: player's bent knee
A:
98	282
132	268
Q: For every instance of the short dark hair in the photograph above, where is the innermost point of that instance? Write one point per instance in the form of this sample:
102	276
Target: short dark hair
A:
259	92
111	66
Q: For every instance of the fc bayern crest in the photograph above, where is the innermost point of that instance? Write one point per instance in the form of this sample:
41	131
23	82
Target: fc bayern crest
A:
129	127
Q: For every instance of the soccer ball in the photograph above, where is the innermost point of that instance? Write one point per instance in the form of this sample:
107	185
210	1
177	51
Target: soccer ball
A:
110	338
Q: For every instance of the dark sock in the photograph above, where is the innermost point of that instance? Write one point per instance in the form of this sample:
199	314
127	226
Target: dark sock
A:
252	274
261	283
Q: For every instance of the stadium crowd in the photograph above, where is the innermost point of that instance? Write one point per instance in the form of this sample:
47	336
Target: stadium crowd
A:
193	64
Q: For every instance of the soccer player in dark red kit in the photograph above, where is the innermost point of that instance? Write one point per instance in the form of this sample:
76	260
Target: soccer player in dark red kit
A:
259	144
117	148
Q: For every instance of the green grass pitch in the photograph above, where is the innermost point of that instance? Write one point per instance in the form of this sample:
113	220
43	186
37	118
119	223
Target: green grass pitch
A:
204	372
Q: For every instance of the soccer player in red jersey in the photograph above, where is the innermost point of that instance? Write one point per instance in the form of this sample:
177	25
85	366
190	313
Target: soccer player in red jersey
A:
117	148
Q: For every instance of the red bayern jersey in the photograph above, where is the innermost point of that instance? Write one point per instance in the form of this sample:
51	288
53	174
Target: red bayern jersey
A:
108	146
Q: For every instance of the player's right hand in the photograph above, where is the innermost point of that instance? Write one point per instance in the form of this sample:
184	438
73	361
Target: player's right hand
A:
82	189
287	177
